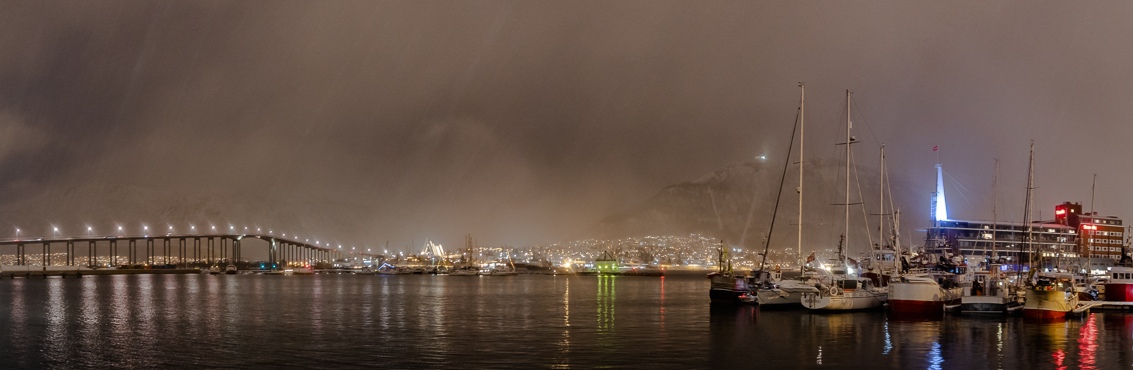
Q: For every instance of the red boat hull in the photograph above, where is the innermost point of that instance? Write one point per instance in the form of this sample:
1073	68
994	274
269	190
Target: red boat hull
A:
1119	292
1043	314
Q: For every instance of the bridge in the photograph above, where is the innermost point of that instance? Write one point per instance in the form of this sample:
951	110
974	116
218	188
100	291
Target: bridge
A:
187	248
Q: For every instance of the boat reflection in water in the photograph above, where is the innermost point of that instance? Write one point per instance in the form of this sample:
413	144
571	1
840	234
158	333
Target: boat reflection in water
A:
607	292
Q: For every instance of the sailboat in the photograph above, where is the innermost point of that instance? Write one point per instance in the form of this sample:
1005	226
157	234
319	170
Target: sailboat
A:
508	270
844	289
773	291
1051	295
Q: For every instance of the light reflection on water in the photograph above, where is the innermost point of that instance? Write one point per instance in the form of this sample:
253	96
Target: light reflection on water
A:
423	321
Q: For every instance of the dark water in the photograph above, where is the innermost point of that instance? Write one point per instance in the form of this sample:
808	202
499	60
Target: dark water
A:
427	321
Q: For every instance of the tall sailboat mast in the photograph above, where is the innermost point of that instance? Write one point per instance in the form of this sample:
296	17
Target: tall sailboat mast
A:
1027	213
802	120
994	204
846	231
778	196
881	208
1089	253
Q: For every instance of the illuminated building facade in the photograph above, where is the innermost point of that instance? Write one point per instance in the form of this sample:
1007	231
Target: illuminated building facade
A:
1101	238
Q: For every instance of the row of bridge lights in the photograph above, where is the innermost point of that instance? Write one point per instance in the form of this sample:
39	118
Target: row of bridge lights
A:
145	230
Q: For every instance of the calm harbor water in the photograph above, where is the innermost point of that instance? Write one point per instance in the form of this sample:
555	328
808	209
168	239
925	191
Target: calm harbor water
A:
423	321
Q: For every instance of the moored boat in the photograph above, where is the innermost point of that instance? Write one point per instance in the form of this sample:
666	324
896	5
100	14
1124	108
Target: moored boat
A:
727	288
1051	297
990	293
465	271
788	293
924	293
1119	288
846	293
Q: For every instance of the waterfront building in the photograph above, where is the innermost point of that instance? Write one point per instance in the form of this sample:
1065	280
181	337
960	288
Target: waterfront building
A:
606	264
1006	242
1101	238
1015	245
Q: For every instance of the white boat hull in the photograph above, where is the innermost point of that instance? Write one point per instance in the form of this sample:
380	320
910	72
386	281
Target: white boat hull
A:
921	297
844	300
987	304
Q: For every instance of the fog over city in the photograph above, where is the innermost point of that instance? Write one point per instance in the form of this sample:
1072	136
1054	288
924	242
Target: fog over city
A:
527	122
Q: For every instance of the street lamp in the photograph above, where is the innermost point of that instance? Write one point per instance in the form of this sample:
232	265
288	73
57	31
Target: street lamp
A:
89	230
17	233
119	230
54	231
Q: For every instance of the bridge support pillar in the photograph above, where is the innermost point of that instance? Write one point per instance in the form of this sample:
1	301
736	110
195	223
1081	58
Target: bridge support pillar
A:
150	252
92	253
70	253
46	251
133	246
114	252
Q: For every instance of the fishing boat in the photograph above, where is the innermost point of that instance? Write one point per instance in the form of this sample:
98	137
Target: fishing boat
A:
991	293
1052	296
214	270
230	270
726	286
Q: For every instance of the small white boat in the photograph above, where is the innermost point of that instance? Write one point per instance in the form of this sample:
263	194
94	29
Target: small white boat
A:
846	293
214	270
230	270
788	293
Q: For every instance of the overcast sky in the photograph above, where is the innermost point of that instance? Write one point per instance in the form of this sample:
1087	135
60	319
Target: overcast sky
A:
527	121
